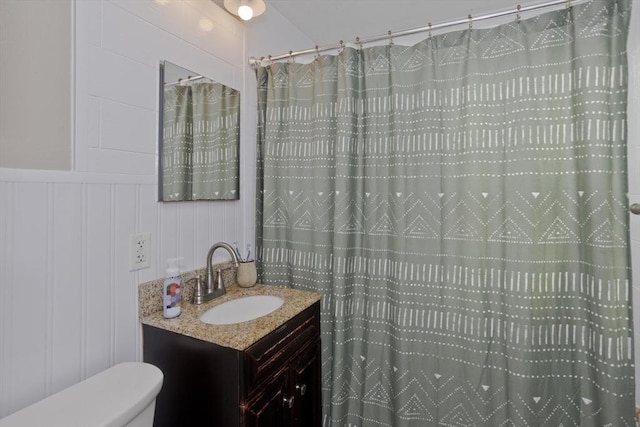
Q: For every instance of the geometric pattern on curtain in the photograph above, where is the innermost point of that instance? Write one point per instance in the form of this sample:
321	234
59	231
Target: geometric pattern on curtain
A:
461	206
201	134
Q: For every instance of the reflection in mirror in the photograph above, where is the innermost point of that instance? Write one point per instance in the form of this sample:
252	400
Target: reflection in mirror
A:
199	137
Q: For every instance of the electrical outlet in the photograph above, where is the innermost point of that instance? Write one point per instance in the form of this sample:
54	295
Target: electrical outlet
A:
139	248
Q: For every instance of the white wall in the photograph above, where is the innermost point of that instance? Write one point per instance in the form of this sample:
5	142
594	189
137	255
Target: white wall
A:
68	303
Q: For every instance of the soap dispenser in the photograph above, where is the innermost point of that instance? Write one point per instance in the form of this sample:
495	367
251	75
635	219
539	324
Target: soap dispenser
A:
172	295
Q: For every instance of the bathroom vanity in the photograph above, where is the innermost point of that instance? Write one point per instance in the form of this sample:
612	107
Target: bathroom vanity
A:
264	372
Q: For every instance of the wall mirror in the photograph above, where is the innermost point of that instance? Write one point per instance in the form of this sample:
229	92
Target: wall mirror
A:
199	137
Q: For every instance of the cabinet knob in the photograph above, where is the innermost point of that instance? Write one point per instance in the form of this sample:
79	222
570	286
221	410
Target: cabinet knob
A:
302	389
288	402
635	208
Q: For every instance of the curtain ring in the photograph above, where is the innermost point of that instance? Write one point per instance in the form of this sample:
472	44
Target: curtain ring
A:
568	6
390	38
518	17
358	43
317	53
470	22
291	61
341	48
429	25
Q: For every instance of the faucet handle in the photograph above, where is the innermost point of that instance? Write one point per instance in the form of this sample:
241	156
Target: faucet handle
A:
198	293
219	281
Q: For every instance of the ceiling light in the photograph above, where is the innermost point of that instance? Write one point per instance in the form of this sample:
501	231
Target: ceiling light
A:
245	9
245	12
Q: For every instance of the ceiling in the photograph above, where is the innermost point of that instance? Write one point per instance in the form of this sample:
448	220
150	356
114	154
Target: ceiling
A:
328	21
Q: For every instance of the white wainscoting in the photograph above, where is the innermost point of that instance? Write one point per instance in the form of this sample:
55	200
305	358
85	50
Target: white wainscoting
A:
68	300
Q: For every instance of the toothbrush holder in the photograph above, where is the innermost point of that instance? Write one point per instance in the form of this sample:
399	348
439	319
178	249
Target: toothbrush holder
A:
246	276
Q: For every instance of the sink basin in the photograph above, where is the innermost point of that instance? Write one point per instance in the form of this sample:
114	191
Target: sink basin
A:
241	309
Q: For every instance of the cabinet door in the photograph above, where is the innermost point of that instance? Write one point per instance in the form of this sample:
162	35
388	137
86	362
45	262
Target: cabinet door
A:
268	408
304	386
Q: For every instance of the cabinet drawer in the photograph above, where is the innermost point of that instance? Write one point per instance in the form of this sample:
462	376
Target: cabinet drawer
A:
276	349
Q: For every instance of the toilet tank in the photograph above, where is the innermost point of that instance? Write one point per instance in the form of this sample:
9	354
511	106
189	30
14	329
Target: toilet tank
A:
118	397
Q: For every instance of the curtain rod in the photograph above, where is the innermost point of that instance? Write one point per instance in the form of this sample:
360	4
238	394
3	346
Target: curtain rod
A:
189	79
257	62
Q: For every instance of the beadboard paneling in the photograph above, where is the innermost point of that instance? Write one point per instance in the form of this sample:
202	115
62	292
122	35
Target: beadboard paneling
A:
64	366
99	270
68	299
26	337
124	307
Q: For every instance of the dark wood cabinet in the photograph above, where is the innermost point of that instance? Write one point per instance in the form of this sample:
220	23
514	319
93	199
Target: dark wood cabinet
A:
274	382
304	387
268	407
292	398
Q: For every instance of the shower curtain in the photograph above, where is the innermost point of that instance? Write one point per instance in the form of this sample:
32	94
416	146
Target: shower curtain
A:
200	142
461	206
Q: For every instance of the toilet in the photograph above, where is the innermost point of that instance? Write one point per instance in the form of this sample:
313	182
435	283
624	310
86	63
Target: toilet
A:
121	396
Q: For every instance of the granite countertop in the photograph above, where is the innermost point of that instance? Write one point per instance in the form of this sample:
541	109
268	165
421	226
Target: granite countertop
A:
238	336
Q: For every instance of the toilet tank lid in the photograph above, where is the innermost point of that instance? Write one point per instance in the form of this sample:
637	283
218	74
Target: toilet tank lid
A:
111	398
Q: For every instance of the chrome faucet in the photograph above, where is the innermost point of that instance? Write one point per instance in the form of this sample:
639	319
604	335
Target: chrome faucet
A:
213	284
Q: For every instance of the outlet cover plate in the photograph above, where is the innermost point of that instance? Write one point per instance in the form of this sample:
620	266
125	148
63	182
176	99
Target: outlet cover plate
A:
139	251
